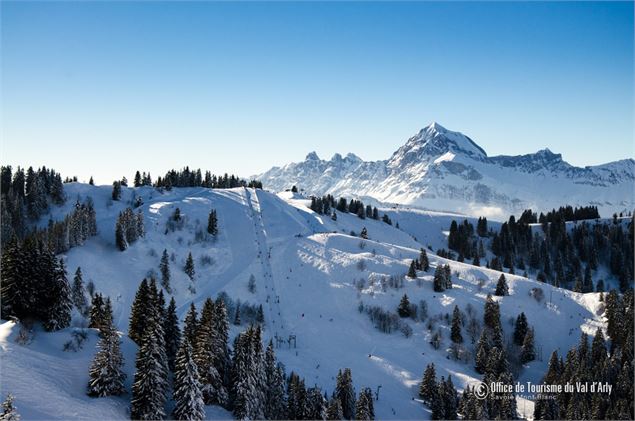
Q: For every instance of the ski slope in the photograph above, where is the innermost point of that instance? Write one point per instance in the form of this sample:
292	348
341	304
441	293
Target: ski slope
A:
306	268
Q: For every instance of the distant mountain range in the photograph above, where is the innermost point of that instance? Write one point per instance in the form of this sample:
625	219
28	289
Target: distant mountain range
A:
439	169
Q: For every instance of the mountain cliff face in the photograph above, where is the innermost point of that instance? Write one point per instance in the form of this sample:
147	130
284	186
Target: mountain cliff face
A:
444	170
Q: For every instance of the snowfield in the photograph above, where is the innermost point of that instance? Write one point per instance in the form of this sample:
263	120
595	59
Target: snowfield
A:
307	269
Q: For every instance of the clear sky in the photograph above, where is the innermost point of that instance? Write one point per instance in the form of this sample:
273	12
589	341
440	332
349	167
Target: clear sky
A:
106	88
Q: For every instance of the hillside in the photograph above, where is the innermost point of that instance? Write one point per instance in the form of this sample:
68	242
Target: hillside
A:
311	275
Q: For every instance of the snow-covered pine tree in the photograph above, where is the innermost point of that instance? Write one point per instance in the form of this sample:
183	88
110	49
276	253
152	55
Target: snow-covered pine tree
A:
275	393
424	263
412	271
9	410
527	352
501	286
14	293
436	404
220	325
251	284
139	224
212	223
172	333
149	390
334	410
187	396
258	368
79	293
315	404
439	279
164	268
61	304
106	375
482	353
297	407
139	313
491	314
428	384
190	325
362	411
120	237
189	267
116	190
520	329
449	399
211	381
404	307
345	393
97	309
455	334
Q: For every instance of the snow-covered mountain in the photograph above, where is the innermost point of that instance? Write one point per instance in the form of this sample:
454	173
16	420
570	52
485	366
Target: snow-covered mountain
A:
444	170
311	275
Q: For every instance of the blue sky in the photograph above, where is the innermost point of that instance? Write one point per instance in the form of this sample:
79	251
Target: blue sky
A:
106	88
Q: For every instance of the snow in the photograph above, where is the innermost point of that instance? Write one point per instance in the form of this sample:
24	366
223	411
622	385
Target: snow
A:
306	267
438	169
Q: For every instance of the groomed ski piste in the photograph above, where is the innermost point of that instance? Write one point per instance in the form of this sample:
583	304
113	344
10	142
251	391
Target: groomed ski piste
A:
307	269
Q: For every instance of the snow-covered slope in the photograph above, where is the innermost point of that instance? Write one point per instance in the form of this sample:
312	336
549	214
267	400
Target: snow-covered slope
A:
308	270
440	169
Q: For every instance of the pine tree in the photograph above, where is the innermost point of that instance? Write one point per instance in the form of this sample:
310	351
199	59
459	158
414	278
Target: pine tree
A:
315	404
364	233
149	390
527	352
482	353
190	325
172	334
189	266
139	313
59	292
106	375
449	399
437	405
345	393
237	315
15	288
137	179
297	408
439	281
501	287
204	356
520	329
455	334
274	397
97	312
9	410
404	307
120	237
188	398
248	375
424	263
79	294
91	181
362	410
428	384
334	410
116	190
491	314
212	223
412	271
164	267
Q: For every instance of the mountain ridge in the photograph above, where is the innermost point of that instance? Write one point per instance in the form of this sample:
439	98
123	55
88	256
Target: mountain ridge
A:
441	169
